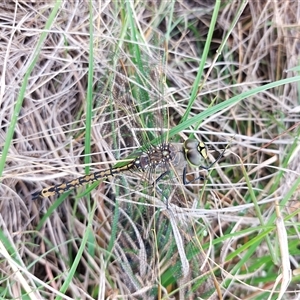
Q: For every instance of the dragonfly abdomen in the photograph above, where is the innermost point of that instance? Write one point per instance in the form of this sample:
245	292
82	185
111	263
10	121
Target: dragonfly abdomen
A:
81	181
156	157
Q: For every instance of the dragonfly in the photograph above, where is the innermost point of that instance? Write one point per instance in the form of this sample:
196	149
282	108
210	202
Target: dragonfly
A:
162	159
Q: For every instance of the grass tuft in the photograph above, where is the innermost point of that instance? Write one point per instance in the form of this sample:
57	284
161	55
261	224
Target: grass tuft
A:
86	86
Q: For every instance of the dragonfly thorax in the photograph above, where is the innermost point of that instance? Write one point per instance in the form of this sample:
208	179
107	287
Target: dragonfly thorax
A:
156	157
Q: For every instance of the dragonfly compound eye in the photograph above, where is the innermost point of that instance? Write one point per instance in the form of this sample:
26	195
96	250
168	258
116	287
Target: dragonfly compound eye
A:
194	152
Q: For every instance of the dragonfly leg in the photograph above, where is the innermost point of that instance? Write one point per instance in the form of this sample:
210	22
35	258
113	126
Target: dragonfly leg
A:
186	182
217	159
159	189
161	176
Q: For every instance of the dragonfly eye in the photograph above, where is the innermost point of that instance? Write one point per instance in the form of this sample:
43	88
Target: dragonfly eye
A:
194	152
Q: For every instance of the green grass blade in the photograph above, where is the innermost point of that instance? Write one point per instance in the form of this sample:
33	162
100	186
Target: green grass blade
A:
195	88
18	106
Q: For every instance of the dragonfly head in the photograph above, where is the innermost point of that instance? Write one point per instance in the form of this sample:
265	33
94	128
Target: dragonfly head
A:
194	152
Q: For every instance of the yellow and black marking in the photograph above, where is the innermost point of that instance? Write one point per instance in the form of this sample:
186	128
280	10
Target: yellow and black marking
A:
202	150
83	180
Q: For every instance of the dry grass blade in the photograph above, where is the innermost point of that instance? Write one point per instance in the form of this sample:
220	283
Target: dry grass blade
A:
120	238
